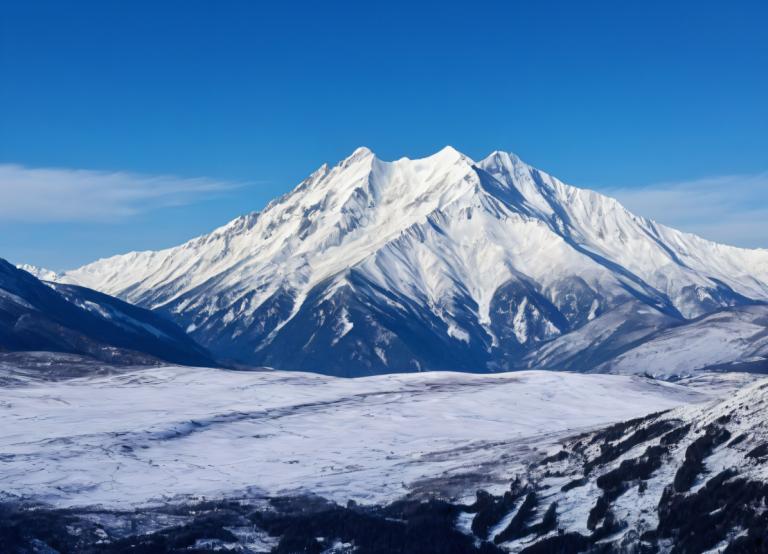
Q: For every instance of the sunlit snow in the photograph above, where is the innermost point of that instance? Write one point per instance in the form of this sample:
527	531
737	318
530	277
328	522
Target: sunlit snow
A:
154	434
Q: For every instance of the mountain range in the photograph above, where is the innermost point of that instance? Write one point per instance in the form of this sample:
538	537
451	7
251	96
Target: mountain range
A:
446	263
58	318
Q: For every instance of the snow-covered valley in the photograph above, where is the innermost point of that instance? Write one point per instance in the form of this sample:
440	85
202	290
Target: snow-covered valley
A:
160	434
177	458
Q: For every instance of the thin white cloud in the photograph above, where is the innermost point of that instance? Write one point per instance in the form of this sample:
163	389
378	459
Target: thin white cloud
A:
730	209
53	194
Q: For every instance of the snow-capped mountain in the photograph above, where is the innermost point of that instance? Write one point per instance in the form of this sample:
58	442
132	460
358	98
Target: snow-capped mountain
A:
40	272
433	263
42	317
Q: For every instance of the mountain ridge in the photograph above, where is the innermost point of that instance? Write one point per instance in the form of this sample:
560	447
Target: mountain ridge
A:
37	316
420	264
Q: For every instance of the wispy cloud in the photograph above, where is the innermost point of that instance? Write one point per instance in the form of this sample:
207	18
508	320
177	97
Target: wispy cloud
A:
731	209
53	194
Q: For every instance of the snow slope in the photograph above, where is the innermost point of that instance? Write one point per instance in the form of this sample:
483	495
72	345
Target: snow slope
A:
435	263
40	272
693	479
601	339
734	339
153	435
38	316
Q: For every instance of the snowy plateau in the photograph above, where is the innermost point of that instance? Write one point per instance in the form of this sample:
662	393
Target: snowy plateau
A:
445	263
156	434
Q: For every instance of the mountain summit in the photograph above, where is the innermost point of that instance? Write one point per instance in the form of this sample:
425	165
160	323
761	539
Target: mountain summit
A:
435	263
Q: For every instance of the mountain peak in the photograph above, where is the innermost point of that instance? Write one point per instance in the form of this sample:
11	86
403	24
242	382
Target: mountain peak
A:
447	153
501	158
448	150
450	155
41	273
495	257
359	153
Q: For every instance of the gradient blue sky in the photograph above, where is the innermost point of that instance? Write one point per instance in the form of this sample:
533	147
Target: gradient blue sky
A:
136	125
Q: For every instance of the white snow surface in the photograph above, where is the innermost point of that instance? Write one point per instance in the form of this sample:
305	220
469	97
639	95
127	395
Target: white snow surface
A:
433	229
40	272
721	338
152	435
740	407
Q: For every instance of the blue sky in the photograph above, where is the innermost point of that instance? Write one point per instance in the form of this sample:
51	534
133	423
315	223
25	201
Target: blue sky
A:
136	125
